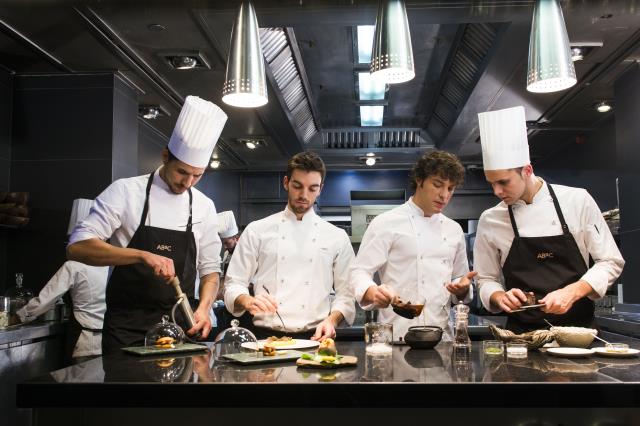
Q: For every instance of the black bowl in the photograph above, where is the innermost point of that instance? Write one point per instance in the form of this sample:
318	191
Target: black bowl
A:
423	336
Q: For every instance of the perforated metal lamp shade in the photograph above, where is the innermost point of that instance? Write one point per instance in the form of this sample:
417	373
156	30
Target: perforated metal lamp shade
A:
245	82
392	55
550	66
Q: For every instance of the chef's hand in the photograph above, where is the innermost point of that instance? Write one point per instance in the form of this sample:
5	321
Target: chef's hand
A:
379	295
261	304
162	266
509	300
203	322
461	288
324	330
561	300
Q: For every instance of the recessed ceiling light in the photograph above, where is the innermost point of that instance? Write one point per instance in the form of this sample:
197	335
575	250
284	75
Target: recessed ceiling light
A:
183	62
577	54
603	106
371	161
252	143
149	112
370	154
215	164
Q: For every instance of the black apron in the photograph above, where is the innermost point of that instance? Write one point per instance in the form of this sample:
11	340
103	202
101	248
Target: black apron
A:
136	298
542	265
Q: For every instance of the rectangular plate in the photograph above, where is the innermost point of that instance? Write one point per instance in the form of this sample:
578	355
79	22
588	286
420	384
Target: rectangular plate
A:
345	361
150	350
249	358
524	308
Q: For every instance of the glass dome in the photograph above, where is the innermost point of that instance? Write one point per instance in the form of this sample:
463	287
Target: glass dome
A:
166	370
234	340
164	334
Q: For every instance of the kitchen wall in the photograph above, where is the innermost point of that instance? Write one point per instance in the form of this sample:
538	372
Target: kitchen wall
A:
150	145
6	99
224	189
72	135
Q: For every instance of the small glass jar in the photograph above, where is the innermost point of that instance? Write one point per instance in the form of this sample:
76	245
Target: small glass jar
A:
492	347
377	337
516	350
618	348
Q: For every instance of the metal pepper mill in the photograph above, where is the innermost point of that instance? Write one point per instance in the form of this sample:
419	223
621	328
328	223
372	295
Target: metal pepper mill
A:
183	302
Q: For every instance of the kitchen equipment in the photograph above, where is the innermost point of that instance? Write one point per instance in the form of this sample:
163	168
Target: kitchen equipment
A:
423	336
153	351
163	331
183	302
377	337
408	307
19	295
616	354
570	352
527	307
279	317
235	340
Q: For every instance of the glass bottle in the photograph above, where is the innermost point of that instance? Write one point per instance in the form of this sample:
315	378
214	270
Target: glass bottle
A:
461	340
19	295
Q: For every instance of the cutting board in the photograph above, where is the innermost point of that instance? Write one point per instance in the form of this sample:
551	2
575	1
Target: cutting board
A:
249	358
151	350
345	361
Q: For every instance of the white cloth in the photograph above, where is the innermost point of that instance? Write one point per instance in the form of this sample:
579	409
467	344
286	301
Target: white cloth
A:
539	219
197	131
503	136
412	254
227	224
79	211
117	211
299	262
87	286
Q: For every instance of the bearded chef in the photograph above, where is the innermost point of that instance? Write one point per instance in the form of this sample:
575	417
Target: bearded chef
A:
417	251
295	260
86	286
539	238
228	232
159	227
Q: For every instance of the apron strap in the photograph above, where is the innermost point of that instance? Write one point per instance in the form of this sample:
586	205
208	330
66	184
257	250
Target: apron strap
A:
145	210
513	223
565	228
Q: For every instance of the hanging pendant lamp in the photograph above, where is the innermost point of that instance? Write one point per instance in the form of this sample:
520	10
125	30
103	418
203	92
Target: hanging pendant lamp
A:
245	82
550	66
392	56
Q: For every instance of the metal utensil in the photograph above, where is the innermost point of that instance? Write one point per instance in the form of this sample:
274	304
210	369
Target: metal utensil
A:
527	307
183	302
279	317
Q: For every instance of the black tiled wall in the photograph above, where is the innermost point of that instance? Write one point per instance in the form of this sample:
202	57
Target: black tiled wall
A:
6	97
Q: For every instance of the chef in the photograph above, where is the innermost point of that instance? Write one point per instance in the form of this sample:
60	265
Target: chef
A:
86	286
295	260
228	232
417	251
539	238
159	227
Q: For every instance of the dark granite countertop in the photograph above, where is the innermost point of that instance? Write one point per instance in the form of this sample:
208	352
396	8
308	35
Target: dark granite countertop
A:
18	334
407	378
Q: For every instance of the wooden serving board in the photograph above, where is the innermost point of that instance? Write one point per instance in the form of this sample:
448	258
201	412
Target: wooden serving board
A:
249	358
151	350
345	361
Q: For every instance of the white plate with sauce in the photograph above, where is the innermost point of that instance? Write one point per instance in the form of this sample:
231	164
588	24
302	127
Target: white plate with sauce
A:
627	354
570	352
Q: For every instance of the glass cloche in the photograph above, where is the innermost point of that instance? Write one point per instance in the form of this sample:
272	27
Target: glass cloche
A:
165	334
233	340
167	370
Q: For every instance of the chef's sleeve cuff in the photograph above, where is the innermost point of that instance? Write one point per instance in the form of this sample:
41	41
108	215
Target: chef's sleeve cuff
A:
231	293
486	290
347	310
597	283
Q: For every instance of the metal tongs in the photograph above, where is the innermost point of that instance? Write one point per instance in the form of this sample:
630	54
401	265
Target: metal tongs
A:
283	327
183	302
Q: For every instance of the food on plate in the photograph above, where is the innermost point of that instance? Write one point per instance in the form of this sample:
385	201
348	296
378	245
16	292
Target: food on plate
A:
618	348
280	341
269	350
325	354
327	348
166	342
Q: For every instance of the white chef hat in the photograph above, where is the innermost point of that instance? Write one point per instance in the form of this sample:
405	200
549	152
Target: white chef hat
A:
227	224
79	211
503	135
197	131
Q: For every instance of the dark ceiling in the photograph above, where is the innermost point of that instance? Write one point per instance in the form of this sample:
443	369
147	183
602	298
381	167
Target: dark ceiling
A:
470	56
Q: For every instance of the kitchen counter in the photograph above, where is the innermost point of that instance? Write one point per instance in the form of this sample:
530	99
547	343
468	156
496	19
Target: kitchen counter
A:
407	378
25	333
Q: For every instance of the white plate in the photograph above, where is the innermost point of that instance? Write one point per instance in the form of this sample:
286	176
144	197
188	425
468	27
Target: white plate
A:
629	353
570	352
299	344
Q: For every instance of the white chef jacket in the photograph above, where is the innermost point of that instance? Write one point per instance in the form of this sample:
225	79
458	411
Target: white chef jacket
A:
116	215
299	262
539	219
413	254
87	286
